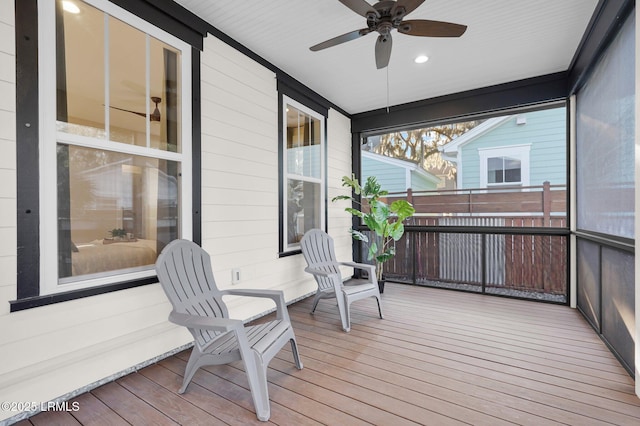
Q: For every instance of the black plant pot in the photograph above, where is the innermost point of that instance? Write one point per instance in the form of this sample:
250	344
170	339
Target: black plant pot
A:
381	285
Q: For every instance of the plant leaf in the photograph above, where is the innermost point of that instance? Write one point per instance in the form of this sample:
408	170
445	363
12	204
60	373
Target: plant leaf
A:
388	254
396	230
341	197
373	248
357	235
352	182
373	224
371	187
354	212
380	211
403	209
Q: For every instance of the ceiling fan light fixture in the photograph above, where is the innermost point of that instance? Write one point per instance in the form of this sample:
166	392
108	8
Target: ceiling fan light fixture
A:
421	59
70	7
155	115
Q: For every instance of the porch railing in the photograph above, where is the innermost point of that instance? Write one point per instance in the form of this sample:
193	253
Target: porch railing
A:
518	249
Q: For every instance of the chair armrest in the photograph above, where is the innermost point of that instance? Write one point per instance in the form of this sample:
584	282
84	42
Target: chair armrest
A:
336	278
276	295
364	266
320	272
205	323
251	292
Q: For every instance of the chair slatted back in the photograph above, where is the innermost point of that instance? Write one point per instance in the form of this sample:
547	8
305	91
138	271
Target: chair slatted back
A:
319	253
184	271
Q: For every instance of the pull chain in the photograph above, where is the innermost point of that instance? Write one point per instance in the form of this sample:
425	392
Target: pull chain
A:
387	89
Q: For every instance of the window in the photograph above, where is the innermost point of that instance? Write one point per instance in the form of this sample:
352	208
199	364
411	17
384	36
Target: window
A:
115	157
503	170
504	166
303	154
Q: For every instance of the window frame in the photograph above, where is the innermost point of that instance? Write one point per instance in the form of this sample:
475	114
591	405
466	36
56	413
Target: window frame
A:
520	152
47	148
187	28
286	249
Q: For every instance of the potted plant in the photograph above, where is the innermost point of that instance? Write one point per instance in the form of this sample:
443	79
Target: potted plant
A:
118	233
386	222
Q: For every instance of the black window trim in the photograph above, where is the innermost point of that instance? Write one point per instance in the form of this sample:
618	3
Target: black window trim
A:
27	155
287	87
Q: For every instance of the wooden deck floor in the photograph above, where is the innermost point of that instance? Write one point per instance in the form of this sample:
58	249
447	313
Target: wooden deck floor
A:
439	358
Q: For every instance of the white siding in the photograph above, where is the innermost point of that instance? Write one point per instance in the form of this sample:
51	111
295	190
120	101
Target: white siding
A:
240	177
339	165
55	350
7	159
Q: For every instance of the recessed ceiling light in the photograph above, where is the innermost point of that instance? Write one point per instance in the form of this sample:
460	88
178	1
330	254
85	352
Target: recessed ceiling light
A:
421	59
70	7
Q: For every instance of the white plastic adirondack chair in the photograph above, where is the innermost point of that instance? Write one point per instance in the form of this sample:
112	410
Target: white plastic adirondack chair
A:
184	271
318	251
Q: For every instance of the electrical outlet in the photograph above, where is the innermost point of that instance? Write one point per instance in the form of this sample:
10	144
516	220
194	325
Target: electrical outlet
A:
235	276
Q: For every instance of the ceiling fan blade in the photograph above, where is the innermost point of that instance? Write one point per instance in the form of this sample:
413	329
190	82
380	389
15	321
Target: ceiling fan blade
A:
340	39
142	114
154	116
426	28
383	51
408	5
361	7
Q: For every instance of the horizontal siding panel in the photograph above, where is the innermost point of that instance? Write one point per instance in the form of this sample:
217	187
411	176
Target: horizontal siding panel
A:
8	96
242	199
213	109
7	213
8	266
8	157
7	38
264	166
231	89
260	139
7	123
7	286
248	104
227	70
237	244
244	251
336	169
8	236
57	376
7	12
236	180
89	335
260	261
239	250
7	68
8	187
230	148
222	56
226	214
338	147
238	230
239	165
36	322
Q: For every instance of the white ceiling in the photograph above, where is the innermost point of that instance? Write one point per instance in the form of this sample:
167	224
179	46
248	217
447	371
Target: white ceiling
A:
506	40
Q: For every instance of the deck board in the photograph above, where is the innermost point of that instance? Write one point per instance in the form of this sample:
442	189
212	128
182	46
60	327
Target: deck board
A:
439	357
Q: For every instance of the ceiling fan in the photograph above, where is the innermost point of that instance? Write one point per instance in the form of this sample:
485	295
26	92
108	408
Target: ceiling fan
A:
154	116
385	16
